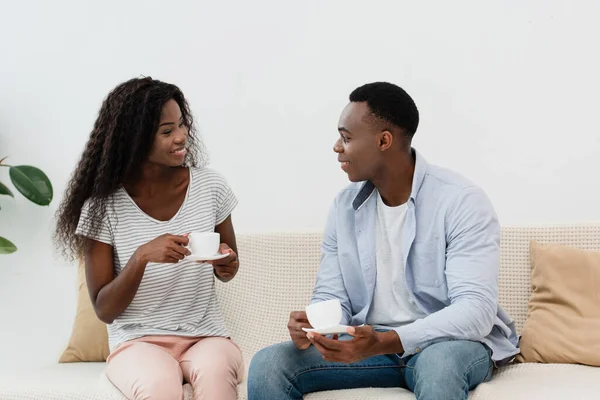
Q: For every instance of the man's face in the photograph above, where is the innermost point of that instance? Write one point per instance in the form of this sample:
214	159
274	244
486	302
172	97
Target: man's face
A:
358	146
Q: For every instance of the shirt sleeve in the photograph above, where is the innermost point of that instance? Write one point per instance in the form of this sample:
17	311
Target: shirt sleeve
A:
330	284
91	227
225	199
472	265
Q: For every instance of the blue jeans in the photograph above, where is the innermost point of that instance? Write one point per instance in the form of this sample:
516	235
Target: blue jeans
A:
445	370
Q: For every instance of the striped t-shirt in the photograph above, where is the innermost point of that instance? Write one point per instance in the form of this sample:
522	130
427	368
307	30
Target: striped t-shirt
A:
172	299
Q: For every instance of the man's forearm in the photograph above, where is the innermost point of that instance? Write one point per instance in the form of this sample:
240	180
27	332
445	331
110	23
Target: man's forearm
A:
389	343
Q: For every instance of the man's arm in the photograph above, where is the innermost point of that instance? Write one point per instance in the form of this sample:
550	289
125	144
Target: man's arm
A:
329	284
472	264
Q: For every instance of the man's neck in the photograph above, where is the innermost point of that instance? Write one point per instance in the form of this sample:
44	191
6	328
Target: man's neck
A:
394	182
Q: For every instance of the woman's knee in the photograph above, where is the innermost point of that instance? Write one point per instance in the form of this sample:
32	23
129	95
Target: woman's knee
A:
216	359
157	389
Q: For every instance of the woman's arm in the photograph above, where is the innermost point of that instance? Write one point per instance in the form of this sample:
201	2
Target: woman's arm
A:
226	268
111	296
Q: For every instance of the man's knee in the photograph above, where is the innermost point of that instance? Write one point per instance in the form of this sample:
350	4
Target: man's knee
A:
273	360
274	357
447	370
449	357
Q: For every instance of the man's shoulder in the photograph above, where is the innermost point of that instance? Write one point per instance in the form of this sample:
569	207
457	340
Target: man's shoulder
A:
451	190
447	178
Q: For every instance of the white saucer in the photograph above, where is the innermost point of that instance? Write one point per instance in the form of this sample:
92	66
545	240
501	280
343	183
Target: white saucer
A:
332	330
218	256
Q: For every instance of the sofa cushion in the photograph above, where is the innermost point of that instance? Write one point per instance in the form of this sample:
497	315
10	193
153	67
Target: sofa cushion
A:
86	381
75	381
563	324
541	381
89	337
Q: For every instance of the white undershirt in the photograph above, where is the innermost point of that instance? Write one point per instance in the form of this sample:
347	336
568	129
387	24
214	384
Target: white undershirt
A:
391	302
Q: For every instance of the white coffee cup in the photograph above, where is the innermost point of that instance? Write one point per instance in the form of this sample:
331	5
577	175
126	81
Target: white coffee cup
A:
204	243
324	314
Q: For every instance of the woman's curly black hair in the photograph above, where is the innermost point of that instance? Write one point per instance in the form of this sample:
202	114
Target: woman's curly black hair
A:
118	145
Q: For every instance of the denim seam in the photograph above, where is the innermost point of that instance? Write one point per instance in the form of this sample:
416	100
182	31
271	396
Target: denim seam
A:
470	368
474	363
340	368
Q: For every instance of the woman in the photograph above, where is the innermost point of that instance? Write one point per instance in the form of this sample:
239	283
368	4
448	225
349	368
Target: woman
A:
139	189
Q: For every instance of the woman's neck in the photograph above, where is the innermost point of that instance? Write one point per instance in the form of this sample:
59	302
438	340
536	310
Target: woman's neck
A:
153	178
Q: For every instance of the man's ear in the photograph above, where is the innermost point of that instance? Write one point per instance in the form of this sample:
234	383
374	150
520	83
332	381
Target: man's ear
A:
385	140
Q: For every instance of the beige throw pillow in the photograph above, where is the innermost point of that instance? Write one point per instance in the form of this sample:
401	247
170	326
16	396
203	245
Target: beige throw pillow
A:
563	322
89	338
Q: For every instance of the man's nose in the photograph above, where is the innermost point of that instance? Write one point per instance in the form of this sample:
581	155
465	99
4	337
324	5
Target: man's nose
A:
337	146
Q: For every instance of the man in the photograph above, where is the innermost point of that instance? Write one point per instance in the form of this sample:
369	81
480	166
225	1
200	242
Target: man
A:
411	250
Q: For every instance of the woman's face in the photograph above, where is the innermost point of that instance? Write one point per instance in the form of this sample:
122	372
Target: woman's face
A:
169	147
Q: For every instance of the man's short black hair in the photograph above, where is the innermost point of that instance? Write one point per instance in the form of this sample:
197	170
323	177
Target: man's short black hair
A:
389	103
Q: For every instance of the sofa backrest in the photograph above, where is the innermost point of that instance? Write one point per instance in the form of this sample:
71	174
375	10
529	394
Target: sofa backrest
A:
277	274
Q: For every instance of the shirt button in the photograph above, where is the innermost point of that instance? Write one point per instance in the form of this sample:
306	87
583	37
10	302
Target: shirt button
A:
418	350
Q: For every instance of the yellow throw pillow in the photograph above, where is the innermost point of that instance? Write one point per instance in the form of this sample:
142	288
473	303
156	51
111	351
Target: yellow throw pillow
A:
89	338
563	321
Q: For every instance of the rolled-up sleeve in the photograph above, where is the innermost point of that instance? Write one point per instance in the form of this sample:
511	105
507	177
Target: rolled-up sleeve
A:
472	265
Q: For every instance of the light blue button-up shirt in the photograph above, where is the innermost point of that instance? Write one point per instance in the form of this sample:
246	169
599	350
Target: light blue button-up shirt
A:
451	248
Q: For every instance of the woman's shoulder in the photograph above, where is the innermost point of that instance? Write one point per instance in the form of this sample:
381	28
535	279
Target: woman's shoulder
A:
207	175
207	180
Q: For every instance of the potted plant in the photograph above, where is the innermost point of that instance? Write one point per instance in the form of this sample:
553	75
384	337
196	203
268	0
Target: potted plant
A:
32	183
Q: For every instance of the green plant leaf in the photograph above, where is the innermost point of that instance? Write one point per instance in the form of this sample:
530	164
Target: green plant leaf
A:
6	246
32	183
5	190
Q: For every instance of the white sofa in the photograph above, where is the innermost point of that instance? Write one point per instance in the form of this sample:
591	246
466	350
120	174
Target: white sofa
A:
277	275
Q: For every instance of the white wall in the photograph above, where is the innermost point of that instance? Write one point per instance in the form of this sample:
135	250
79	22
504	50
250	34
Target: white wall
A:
508	94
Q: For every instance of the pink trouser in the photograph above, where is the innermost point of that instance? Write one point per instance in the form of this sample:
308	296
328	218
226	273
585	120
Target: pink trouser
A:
155	367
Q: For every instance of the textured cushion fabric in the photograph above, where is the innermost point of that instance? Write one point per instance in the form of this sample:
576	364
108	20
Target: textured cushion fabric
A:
75	381
563	325
541	381
277	274
89	337
515	268
86	381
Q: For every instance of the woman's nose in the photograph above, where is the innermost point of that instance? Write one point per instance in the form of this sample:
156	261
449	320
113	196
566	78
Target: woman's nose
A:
181	135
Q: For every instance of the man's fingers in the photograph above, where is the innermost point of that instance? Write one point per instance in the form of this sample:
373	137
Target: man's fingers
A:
295	326
327	343
301	343
360	331
327	354
299	316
